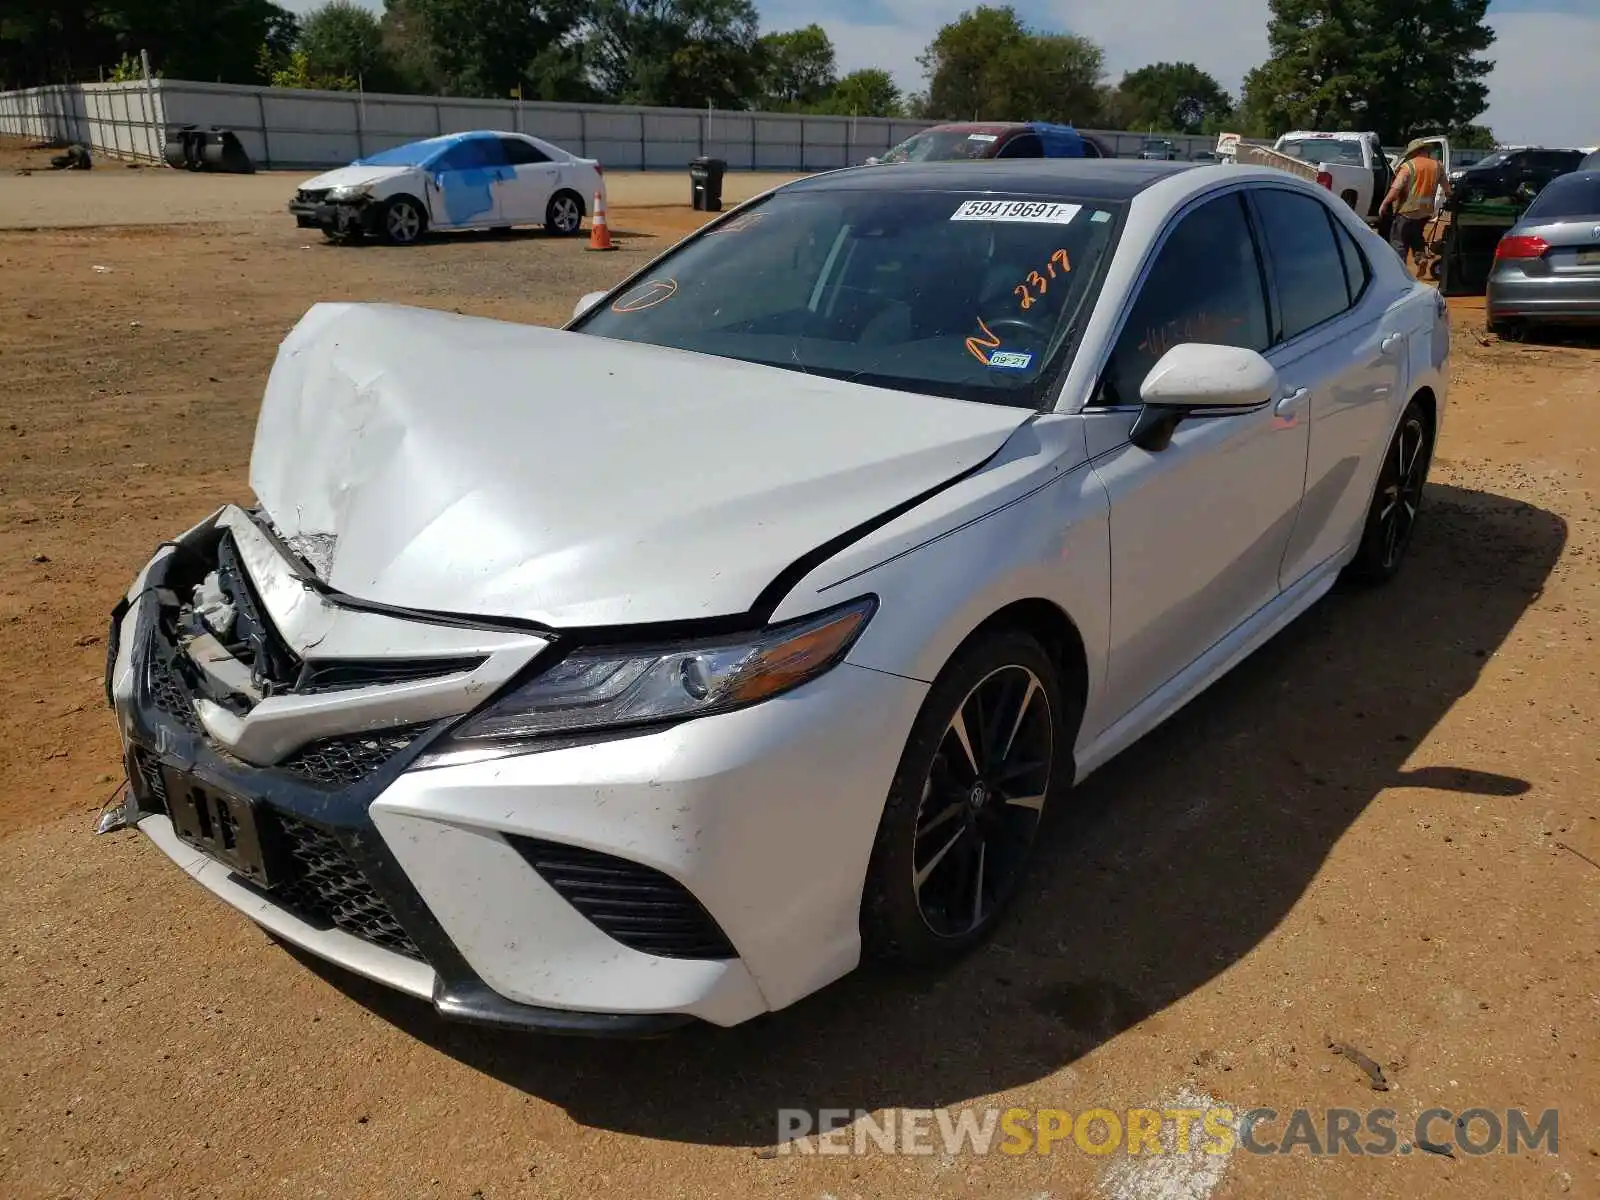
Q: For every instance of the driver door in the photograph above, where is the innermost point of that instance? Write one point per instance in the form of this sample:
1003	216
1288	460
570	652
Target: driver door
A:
1199	528
466	185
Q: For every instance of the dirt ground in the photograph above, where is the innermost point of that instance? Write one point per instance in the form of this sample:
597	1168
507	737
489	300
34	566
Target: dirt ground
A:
116	193
1381	831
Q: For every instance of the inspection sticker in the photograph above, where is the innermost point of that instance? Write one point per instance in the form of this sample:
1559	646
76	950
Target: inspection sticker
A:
1028	212
1010	360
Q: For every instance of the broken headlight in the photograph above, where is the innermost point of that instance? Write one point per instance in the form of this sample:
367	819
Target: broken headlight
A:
351	191
604	687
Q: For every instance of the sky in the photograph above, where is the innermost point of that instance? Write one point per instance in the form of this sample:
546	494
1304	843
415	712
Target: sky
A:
1545	87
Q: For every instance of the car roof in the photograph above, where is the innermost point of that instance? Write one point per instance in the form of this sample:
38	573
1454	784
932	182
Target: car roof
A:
1110	179
976	127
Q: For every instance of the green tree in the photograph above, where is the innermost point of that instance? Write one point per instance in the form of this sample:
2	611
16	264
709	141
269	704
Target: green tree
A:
1473	137
1171	98
407	45
1399	67
486	47
869	92
342	40
986	65
797	68
683	53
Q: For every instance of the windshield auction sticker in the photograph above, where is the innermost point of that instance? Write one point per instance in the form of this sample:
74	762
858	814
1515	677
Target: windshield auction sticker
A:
1027	212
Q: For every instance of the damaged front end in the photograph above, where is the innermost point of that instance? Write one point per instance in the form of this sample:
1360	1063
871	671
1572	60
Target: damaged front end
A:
336	213
260	718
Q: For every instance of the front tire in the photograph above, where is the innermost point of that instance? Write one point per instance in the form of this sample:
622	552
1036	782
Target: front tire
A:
563	216
988	750
1392	518
402	221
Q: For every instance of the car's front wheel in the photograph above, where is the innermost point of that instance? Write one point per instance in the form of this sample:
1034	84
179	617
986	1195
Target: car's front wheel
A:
564	214
1392	518
402	221
988	750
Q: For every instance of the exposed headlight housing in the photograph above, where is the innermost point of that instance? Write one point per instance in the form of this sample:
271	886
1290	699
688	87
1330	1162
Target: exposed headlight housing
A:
609	687
350	191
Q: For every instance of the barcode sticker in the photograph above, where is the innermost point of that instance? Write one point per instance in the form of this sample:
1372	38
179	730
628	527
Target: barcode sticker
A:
1027	212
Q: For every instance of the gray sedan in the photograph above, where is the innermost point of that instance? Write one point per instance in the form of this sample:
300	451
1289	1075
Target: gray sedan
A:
1547	268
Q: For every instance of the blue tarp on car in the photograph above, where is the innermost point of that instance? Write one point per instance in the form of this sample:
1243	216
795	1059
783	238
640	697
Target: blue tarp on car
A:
1060	141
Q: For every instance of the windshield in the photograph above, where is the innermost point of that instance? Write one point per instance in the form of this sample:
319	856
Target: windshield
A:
1566	196
932	292
938	145
1498	158
412	154
1323	150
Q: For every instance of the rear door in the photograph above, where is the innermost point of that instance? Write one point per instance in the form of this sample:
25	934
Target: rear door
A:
528	195
1339	357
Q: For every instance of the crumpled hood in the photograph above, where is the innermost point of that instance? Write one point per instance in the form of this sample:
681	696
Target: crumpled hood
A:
354	175
472	466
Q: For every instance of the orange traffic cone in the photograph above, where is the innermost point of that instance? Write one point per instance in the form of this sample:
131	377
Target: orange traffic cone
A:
599	235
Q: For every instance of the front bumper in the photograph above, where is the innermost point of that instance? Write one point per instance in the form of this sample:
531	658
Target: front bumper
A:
431	878
333	217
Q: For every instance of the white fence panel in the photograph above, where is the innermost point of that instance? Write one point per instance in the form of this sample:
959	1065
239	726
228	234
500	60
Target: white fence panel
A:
288	128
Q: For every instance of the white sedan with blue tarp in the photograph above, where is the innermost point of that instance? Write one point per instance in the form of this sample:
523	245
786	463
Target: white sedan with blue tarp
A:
478	180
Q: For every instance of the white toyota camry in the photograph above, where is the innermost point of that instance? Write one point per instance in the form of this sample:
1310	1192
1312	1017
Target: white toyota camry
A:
480	180
667	666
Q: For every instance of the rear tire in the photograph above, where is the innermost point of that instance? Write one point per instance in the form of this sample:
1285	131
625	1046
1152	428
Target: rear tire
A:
989	749
1396	500
563	216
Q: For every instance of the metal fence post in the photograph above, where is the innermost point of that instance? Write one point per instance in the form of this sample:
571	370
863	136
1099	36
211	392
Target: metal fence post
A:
583	133
150	96
266	142
641	140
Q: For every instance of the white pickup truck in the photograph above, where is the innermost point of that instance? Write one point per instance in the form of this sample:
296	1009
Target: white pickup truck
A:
1352	166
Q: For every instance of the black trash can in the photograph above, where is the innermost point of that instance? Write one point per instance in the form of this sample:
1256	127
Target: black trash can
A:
705	184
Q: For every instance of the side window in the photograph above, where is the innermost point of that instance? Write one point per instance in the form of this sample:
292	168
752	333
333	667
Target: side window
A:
1357	271
1306	262
519	152
473	154
1024	145
1204	286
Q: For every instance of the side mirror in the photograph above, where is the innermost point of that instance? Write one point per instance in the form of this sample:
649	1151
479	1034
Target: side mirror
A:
1197	379
871	162
586	302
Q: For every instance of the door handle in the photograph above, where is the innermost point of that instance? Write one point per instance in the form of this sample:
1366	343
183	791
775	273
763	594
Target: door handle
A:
1390	343
1287	410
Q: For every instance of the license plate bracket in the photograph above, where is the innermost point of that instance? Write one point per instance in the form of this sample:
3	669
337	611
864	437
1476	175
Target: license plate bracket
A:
218	824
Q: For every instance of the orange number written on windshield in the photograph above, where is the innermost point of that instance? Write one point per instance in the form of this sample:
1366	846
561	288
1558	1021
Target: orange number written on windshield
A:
1037	283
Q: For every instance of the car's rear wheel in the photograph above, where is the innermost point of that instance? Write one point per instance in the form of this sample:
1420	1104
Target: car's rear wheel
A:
402	221
988	750
563	216
1396	501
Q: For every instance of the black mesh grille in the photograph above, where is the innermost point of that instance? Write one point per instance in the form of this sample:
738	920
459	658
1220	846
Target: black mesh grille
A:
327	887
167	688
150	782
349	758
637	905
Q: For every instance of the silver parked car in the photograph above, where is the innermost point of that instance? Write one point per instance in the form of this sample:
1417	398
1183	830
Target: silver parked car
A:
1547	268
